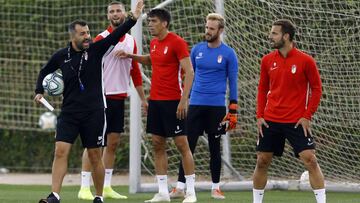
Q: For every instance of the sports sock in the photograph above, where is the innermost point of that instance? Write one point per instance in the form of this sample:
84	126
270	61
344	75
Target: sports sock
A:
215	186
162	183
258	196
320	195
56	195
108	176
180	185
190	184
85	178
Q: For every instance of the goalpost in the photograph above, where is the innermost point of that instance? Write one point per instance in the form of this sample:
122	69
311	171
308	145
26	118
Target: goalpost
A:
328	31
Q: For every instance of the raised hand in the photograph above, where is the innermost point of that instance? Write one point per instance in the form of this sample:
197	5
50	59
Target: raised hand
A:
138	9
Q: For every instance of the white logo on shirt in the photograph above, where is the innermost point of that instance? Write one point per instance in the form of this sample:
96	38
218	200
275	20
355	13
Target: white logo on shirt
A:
219	58
67	60
293	69
199	56
166	50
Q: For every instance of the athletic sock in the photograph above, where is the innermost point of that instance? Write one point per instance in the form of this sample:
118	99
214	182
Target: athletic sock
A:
162	183
190	184
108	176
85	178
258	196
320	195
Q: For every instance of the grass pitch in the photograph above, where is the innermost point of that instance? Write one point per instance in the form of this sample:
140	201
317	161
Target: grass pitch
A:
32	194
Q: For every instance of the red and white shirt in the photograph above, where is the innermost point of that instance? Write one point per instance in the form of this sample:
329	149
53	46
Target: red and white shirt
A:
166	71
289	88
117	71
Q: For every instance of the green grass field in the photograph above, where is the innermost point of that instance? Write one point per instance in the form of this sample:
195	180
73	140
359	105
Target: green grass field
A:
31	194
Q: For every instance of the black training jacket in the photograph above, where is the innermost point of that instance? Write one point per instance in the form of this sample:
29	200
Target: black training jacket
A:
92	97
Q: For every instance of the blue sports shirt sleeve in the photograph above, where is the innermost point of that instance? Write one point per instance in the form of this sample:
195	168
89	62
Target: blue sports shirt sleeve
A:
233	75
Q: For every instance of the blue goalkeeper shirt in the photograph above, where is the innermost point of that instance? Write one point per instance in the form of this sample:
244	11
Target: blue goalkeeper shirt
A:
213	68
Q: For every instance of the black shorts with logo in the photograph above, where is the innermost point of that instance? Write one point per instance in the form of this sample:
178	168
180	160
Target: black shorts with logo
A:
115	115
162	120
90	125
207	119
275	135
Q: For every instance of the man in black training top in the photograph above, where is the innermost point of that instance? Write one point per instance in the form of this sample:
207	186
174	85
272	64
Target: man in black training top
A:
83	105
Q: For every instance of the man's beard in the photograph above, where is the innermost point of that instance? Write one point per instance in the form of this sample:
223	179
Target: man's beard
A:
81	46
117	23
278	45
210	38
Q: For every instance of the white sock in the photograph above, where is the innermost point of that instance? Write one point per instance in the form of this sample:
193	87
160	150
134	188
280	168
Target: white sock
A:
108	176
320	195
258	196
180	185
56	195
215	186
190	184
101	197
85	178
162	183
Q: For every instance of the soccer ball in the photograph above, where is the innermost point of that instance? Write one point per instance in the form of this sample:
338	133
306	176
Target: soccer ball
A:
304	176
47	121
53	84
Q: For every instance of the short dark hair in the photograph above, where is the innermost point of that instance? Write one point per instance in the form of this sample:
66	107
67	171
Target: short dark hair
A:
286	27
71	27
161	13
116	3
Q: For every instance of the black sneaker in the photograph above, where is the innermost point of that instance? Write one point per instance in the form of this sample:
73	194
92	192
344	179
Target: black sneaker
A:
97	200
50	199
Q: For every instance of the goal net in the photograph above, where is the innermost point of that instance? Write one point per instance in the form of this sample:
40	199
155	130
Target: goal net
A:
329	31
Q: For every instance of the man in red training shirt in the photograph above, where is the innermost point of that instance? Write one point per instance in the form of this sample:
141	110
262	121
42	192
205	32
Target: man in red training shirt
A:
288	95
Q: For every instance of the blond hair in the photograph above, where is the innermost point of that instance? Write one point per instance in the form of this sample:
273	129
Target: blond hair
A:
217	17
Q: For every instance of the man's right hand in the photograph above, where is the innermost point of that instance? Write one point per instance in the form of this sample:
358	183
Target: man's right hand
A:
261	122
38	97
138	9
121	54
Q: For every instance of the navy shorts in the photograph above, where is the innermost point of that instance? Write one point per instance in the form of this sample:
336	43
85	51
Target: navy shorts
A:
115	116
89	125
275	136
207	119
161	119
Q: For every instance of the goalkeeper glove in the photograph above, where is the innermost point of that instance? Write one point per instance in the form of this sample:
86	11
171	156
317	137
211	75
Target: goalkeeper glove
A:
230	118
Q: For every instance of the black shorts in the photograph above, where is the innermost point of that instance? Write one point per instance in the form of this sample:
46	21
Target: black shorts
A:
275	135
115	116
207	119
161	119
90	125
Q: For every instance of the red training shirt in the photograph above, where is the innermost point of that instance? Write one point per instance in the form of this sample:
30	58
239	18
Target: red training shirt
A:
166	72
289	88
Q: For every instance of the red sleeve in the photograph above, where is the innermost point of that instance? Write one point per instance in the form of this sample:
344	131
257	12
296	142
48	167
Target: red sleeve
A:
182	49
135	71
263	90
313	76
98	38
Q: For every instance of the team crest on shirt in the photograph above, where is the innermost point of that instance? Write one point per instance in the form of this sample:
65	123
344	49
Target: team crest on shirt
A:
166	49
293	69
153	49
219	58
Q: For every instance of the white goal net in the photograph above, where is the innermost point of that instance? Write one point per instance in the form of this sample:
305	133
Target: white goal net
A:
329	31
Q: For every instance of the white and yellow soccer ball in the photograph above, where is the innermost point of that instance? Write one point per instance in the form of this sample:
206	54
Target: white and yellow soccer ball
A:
47	121
53	84
304	176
